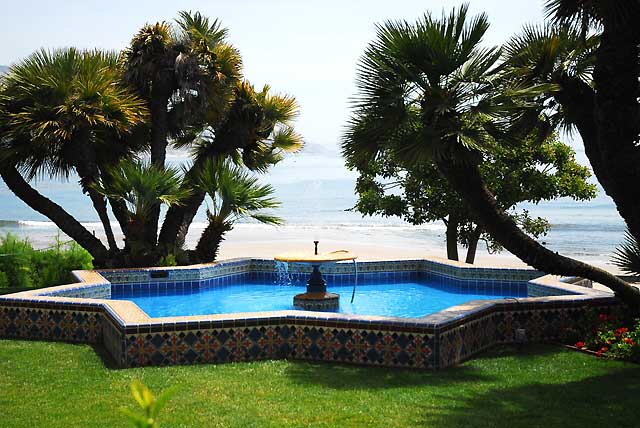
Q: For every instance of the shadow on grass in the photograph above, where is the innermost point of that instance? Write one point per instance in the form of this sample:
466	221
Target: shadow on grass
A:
603	400
108	361
100	350
346	377
525	351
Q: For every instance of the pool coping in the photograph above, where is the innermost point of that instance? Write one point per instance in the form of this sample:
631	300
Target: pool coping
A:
125	318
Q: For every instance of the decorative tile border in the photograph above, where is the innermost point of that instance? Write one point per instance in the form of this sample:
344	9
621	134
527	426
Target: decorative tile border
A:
81	313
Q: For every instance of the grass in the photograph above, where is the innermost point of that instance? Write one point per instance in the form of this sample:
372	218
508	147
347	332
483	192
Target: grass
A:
63	385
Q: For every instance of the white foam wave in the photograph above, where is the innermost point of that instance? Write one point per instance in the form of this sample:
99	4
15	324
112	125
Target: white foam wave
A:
52	225
436	227
333	226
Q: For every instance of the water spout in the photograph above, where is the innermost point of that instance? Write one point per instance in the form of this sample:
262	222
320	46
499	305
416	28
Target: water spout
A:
355	280
283	278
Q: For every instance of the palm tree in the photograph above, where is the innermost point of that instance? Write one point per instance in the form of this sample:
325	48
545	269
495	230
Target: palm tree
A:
60	110
184	72
434	74
235	195
256	131
72	111
143	187
591	57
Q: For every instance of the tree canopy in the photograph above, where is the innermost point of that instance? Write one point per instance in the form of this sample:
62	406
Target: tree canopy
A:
429	91
111	116
527	172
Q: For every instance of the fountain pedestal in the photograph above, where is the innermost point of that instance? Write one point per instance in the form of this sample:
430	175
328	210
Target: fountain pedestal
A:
316	297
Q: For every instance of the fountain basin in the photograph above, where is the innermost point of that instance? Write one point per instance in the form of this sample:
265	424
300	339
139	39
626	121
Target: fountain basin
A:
317	301
316	298
316	259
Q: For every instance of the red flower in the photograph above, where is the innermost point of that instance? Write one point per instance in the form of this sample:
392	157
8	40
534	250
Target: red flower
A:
628	340
599	353
603	317
604	349
579	344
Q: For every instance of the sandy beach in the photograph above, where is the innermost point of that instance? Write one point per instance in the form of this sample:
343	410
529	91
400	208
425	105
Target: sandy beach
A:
266	243
249	240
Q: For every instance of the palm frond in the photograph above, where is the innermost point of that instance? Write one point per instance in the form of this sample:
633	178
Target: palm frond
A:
287	139
200	30
627	255
52	96
425	90
235	193
143	187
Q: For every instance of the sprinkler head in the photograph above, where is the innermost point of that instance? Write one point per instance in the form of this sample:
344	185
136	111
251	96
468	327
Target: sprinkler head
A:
316	244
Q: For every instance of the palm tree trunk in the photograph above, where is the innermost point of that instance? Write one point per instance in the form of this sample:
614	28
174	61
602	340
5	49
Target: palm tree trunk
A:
467	181
472	248
54	212
100	205
452	237
210	240
178	219
616	108
87	169
159	129
607	116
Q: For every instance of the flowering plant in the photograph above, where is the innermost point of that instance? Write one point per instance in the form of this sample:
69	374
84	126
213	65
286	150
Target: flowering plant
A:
610	338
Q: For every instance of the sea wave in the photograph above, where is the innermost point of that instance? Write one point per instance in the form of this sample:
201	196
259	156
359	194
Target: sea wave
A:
344	226
398	226
46	224
201	225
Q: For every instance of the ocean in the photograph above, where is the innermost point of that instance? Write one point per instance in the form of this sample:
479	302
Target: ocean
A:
316	192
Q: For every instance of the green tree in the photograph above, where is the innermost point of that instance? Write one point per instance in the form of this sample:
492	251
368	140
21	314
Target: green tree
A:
589	54
65	111
256	130
434	76
234	195
175	86
530	172
180	70
143	188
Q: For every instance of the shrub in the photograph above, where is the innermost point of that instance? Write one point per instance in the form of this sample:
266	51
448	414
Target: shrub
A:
15	261
613	336
25	267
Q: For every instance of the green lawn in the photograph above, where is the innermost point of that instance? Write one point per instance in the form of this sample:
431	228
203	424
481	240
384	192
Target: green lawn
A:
62	385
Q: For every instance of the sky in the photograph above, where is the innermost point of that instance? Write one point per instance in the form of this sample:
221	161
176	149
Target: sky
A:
308	49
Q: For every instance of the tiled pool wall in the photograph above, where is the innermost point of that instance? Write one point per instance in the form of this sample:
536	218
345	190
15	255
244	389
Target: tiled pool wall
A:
81	313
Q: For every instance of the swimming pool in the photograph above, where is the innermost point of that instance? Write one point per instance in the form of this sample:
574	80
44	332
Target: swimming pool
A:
109	307
406	299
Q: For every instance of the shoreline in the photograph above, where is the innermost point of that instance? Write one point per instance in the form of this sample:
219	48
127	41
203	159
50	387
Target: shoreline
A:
368	243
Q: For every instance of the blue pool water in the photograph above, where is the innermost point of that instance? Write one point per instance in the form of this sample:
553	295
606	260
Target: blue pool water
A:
401	299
